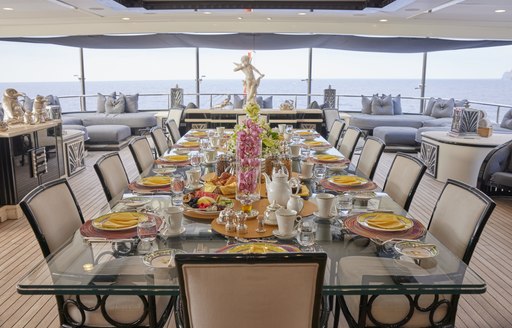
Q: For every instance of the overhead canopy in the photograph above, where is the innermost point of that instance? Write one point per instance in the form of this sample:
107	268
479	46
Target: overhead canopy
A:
263	41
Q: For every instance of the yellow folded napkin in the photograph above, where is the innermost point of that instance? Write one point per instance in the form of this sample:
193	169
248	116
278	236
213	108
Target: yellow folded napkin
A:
122	220
314	143
327	158
176	158
347	179
385	221
156	180
189	144
197	133
303	133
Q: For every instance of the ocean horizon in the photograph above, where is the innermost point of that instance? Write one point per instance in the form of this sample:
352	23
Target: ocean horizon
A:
495	91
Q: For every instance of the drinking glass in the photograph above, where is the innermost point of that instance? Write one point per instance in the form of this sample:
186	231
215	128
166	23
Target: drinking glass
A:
344	204
306	233
319	171
296	138
195	159
177	187
289	129
146	231
204	143
306	151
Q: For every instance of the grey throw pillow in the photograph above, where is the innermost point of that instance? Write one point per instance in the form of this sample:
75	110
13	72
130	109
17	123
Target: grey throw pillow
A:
506	122
259	101
102	99
268	102
382	105
314	105
430	105
238	102
191	105
461	103
397	105
443	108
132	103
28	104
115	106
366	104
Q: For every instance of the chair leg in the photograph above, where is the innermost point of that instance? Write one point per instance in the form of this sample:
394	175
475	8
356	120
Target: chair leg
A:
336	320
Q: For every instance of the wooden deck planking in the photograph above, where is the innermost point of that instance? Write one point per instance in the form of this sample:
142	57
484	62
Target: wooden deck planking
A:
491	260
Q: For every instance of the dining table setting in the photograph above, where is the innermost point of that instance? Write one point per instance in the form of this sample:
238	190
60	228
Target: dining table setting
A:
310	200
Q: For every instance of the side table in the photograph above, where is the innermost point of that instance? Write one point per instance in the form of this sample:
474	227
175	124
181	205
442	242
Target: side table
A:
74	160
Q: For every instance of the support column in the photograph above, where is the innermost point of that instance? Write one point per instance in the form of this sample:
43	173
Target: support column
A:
83	102
310	70
198	80
423	79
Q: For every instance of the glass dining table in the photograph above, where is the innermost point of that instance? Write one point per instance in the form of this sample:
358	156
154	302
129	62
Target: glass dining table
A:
102	266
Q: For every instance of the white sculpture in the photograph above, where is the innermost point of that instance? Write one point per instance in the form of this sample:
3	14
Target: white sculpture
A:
250	83
13	111
39	110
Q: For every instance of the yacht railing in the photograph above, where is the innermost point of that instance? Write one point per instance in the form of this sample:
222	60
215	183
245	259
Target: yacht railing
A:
344	102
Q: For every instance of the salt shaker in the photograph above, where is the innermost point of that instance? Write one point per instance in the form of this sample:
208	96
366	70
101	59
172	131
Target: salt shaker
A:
230	222
241	227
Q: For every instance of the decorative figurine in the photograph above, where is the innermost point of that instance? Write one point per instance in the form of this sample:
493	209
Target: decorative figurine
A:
287	105
13	111
250	83
40	114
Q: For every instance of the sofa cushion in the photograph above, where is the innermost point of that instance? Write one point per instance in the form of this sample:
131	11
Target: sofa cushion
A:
502	179
392	135
69	120
101	100
115	106
131	103
430	105
382	105
238	102
268	102
366	104
76	127
142	119
397	105
191	105
369	122
443	108
439	122
110	134
314	105
506	122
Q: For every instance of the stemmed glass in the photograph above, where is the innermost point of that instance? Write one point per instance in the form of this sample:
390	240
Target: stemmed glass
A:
320	171
195	159
204	143
177	187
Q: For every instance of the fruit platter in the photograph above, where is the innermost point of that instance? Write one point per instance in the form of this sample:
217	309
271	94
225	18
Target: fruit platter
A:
206	201
224	184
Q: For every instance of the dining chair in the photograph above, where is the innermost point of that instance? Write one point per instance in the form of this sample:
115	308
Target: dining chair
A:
458	219
330	116
55	229
160	140
142	153
370	156
173	129
335	132
112	175
495	175
250	290
403	178
348	143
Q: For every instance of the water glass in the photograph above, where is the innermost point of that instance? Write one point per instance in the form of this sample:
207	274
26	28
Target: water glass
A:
195	159
306	236
289	129
344	204
204	143
146	229
177	187
306	151
296	138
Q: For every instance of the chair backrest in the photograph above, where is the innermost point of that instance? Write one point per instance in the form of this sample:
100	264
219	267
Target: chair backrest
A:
112	175
459	218
142	153
160	140
348	144
330	116
370	156
173	129
497	160
403	178
335	132
175	114
251	290
53	213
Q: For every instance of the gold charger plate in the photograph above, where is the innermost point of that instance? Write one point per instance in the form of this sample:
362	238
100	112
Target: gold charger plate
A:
363	218
98	222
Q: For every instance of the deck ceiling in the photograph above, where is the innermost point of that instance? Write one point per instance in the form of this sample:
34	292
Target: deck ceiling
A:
455	19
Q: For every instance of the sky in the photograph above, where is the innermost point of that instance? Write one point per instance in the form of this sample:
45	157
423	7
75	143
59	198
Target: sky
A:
39	63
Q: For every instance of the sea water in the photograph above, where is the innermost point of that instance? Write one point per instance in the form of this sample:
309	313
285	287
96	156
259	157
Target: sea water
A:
494	91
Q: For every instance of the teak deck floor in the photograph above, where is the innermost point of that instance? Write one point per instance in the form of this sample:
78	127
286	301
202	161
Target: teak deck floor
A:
492	259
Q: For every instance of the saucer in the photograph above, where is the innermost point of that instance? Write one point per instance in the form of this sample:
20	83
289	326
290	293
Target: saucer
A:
167	233
290	236
270	223
324	217
195	186
304	178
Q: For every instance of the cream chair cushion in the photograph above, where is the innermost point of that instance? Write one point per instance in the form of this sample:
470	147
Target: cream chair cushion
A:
401	179
160	141
142	154
113	175
369	157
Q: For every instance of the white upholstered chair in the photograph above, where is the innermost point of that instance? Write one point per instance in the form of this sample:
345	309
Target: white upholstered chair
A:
142	153
55	229
370	156
250	290
403	178
457	221
173	129
348	143
335	132
112	175
160	140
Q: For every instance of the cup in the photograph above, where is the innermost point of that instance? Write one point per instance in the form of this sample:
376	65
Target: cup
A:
210	155
215	140
220	131
193	177
306	169
295	150
324	201
174	217
282	128
286	220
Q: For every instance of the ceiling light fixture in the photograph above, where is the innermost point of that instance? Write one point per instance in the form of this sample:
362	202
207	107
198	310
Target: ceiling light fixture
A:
207	13
383	20
240	18
8	9
126	18
63	4
499	11
269	18
302	14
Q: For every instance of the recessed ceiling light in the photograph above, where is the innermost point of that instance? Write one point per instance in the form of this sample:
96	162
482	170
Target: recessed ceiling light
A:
383	20
126	18
412	9
96	8
269	18
207	13
500	11
8	9
240	18
302	14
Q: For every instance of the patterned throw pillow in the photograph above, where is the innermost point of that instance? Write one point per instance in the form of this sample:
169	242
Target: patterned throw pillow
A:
506	122
430	105
114	106
397	105
132	103
366	104
102	99
238	102
382	105
443	108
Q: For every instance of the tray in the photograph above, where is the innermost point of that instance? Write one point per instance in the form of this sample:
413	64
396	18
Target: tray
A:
251	227
258	248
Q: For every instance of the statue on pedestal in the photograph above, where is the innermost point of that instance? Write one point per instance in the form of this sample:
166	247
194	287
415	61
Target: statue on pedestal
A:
13	111
39	110
250	83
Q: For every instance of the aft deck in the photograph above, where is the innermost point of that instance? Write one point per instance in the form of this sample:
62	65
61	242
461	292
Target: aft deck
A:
492	258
